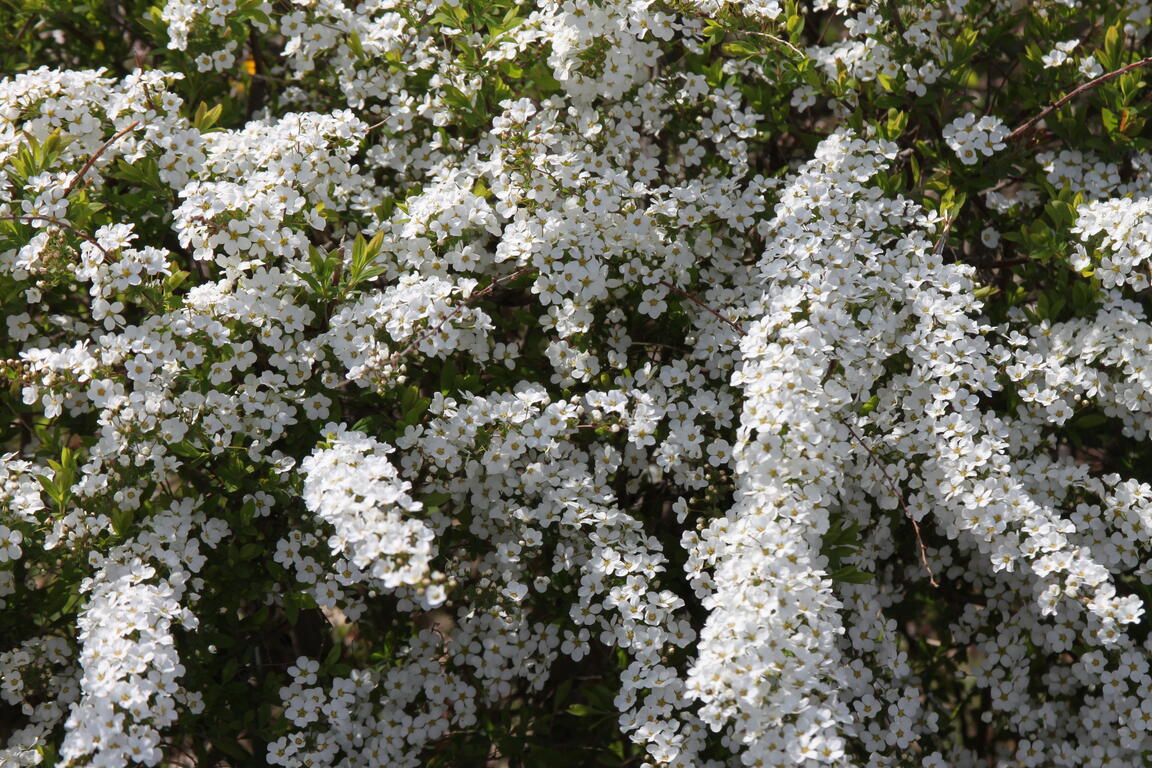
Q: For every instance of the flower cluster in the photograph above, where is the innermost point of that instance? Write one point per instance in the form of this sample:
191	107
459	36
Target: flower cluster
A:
586	382
970	137
352	485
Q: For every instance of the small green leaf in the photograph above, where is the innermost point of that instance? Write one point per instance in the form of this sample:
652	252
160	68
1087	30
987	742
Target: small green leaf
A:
435	499
232	748
356	46
206	117
184	450
562	692
795	27
448	377
49	486
1090	420
121	521
1113	52
741	49
851	575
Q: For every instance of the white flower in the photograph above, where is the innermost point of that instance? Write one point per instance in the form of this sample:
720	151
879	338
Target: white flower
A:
1059	55
970	137
1090	68
10	544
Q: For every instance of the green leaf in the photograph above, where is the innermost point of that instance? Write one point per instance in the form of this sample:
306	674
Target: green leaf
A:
1111	122
356	46
897	122
435	499
250	550
231	747
562	692
367	425
121	521
741	49
448	377
206	117
184	450
1062	214
49	486
175	280
1112	55
850	575
412	415
1090	420
795	27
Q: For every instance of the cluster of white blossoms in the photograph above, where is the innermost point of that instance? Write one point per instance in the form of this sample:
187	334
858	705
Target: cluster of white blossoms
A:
424	314
262	188
1120	230
970	137
469	356
129	684
352	485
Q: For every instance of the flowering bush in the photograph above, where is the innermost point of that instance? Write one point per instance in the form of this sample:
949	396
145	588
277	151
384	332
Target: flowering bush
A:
646	382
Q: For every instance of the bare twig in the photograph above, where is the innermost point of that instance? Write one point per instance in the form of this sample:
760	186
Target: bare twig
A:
895	490
454	314
775	39
943	236
893	11
27	218
701	304
1025	126
96	156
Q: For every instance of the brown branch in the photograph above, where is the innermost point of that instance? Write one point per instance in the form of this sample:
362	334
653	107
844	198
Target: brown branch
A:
943	236
258	88
895	490
1023	127
701	304
96	156
454	314
773	38
60	223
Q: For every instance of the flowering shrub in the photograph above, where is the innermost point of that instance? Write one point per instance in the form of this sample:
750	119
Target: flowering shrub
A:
698	384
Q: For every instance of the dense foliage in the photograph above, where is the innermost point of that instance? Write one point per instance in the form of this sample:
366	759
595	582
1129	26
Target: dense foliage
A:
595	383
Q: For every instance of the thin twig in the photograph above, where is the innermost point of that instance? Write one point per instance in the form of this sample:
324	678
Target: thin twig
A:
943	236
892	10
60	223
775	39
96	156
701	304
454	314
1023	127
895	490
